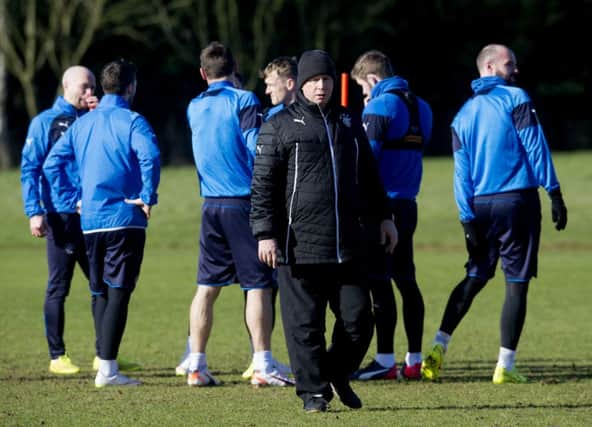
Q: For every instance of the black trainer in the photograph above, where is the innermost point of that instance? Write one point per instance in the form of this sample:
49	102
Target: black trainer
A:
316	404
347	396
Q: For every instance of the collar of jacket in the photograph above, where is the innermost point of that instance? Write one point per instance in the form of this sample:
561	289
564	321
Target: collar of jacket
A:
220	84
113	100
487	83
64	106
313	108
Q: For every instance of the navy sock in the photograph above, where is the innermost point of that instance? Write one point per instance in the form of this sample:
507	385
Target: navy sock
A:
513	314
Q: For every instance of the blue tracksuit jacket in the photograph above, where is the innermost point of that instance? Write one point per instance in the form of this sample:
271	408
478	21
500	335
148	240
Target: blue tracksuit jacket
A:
224	125
498	145
116	153
386	117
37	197
272	111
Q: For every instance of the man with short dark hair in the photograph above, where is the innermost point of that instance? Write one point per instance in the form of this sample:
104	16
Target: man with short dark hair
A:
224	123
315	183
116	151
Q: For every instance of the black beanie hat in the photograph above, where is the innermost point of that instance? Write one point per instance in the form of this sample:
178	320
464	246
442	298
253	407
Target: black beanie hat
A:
312	63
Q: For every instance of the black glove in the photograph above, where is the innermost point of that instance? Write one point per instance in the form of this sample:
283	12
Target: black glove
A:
472	239
558	209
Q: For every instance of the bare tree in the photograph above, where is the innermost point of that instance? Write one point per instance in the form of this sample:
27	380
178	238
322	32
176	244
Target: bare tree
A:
327	27
69	31
189	25
4	145
59	32
22	46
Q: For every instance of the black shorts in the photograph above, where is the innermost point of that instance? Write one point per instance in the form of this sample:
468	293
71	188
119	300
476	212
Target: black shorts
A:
115	258
510	225
228	250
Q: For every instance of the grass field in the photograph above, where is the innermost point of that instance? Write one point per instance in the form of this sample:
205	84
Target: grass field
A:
555	351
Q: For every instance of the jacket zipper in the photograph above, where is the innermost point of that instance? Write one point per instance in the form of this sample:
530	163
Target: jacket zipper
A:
292	203
335	186
357	159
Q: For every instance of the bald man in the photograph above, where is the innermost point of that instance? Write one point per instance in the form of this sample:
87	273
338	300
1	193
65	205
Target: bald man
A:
53	215
501	158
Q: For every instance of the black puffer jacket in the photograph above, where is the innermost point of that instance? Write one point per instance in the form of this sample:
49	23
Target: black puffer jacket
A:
314	183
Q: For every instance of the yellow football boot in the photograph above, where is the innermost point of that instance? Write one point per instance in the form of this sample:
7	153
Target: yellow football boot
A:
63	366
505	376
432	363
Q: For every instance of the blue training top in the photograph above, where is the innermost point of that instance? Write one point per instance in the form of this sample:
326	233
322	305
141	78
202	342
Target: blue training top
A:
273	111
386	117
498	145
36	193
224	125
118	158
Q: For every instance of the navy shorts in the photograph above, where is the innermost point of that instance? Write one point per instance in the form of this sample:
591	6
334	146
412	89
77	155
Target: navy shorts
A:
115	258
398	265
511	225
228	250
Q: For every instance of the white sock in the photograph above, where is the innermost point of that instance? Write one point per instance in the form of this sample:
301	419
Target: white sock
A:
198	362
412	359
385	359
262	361
443	339
108	368
506	358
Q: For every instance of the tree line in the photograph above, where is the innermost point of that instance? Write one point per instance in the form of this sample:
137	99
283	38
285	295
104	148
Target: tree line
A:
432	44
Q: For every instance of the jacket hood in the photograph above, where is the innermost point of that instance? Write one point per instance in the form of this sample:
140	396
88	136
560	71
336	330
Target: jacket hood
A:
390	83
486	83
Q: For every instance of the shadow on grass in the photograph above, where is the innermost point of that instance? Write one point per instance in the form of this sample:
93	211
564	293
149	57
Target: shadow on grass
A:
547	371
503	407
538	370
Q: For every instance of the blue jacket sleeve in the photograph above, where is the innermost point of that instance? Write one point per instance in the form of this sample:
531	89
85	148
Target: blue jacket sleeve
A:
463	187
250	118
376	127
33	154
532	137
60	155
144	145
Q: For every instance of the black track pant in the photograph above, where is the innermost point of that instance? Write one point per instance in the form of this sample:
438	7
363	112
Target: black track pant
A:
110	316
305	292
385	313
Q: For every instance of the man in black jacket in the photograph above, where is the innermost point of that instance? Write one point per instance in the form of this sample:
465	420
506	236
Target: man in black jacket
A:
315	183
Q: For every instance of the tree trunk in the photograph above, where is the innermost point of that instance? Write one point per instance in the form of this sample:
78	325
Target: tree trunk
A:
5	154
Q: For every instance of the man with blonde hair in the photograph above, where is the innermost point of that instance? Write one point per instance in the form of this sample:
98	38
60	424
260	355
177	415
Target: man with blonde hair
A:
398	125
280	83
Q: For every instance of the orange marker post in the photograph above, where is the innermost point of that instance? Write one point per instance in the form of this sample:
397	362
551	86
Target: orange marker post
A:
344	89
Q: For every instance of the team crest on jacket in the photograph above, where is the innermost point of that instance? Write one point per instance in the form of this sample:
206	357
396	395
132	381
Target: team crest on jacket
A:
346	119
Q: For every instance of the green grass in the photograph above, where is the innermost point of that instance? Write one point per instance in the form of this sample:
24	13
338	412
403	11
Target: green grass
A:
555	350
